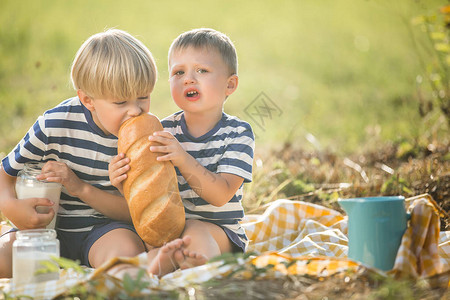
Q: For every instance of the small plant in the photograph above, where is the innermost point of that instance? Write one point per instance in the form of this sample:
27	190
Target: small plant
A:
396	186
63	263
392	288
127	288
133	287
66	264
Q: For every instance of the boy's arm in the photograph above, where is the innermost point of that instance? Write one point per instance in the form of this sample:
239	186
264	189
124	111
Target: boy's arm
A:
22	212
215	188
112	206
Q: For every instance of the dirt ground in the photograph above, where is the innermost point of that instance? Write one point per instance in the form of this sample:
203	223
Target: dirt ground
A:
360	285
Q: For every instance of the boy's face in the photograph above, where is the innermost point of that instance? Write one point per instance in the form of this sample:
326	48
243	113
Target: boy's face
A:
200	80
109	114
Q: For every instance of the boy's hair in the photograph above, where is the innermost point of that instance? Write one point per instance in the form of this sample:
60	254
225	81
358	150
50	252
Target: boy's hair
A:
209	39
114	64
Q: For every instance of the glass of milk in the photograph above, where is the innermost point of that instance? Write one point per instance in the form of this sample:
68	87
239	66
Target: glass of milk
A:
30	249
27	186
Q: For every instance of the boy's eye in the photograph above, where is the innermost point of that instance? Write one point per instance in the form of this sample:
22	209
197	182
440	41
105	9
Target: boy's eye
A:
202	71
178	73
120	103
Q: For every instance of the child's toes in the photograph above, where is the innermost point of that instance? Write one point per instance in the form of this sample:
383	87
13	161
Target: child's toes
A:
178	256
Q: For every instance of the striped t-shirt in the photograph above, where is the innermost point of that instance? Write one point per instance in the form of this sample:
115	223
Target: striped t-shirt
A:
227	148
67	133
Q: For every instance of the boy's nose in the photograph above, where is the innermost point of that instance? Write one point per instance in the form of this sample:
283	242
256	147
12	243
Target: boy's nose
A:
189	78
135	111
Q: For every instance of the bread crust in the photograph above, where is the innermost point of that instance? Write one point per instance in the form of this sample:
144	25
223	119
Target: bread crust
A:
151	187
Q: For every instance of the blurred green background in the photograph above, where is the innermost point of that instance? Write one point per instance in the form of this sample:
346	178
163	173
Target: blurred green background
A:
339	73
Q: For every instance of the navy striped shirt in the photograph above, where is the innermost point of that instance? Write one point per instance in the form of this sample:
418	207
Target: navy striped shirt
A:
67	133
227	148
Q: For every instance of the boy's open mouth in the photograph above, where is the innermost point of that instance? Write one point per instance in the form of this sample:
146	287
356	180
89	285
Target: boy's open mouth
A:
192	94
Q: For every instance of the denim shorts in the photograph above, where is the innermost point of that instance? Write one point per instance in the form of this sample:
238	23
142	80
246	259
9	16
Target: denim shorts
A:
236	243
76	245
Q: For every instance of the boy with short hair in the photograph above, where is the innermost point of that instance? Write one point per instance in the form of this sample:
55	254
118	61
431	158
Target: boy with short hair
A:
211	150
113	74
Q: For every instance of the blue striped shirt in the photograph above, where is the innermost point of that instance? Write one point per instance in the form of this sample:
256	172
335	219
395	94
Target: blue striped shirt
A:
227	148
67	133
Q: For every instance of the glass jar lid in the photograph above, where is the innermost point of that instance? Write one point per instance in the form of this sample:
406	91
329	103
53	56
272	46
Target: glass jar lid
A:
33	167
36	234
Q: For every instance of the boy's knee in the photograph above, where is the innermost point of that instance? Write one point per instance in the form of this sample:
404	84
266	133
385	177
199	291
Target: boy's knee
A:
191	224
197	229
117	242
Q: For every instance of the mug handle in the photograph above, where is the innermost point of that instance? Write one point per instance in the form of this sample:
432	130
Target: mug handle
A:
408	216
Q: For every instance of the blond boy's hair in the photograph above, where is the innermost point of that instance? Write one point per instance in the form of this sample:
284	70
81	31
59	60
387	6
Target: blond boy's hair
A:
115	65
209	39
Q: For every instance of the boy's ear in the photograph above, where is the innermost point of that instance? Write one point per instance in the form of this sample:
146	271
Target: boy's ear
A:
87	101
232	84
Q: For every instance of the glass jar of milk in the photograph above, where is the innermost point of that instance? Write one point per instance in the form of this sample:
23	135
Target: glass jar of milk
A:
27	186
30	249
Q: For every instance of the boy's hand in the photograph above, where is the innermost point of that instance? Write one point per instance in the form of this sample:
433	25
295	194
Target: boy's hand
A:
117	169
25	216
22	212
215	188
54	171
170	146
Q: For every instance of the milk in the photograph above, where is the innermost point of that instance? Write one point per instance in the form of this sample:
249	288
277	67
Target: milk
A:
51	191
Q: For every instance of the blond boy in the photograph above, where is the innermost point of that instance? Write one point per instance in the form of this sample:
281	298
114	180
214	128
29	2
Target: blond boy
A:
113	74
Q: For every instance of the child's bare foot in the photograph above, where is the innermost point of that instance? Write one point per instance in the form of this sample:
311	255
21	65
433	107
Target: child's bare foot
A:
163	263
187	259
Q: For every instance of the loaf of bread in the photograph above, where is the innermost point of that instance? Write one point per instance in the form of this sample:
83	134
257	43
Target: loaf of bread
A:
151	187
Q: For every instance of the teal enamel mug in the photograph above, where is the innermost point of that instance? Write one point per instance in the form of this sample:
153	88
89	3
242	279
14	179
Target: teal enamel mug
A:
375	229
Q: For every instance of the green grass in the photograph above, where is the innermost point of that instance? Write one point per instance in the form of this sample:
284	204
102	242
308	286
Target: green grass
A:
336	69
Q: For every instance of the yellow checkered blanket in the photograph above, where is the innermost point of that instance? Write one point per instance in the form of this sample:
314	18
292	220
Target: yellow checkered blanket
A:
290	237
